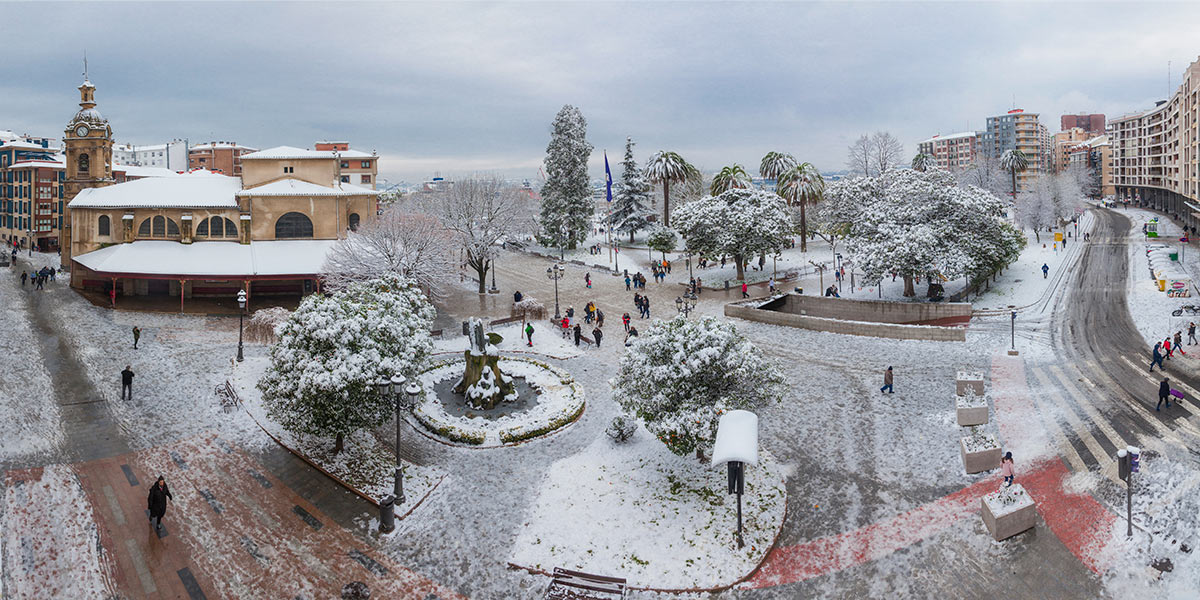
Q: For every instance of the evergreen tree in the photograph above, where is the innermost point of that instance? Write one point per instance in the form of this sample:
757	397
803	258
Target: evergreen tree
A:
567	194
630	211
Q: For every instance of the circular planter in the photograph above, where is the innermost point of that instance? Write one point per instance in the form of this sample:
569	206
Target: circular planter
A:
559	403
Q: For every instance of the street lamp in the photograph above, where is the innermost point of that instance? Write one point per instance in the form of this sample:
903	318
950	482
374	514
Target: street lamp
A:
685	304
556	272
241	298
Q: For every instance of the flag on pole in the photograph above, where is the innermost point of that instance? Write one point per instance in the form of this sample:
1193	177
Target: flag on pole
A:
607	177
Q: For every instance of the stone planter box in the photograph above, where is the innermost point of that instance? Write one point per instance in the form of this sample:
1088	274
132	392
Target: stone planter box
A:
965	380
971	414
1007	521
980	461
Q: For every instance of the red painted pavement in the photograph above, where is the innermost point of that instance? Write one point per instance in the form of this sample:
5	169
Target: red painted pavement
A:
1077	520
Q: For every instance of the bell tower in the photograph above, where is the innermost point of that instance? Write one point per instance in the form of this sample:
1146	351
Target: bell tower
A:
89	147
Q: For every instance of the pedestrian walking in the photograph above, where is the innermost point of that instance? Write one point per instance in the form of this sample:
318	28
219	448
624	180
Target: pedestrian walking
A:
745	290
137	334
627	282
127	383
632	333
887	382
24	276
1179	343
1045	271
1164	394
1006	468
529	334
587	279
646	307
599	318
1191	333
625	321
156	502
566	327
578	334
517	296
1156	358
596	335
771	284
40	279
1167	348
699	286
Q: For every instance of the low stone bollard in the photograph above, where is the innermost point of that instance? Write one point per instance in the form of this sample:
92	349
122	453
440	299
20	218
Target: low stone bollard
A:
971	409
1008	512
980	452
965	380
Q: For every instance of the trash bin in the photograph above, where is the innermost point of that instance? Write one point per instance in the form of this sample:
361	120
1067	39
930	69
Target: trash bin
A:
387	514
1174	256
466	328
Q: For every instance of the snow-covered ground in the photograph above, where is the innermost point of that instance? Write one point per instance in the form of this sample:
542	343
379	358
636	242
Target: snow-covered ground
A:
663	521
1150	308
546	340
30	415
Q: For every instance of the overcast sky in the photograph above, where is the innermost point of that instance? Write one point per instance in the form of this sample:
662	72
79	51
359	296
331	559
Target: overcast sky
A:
458	87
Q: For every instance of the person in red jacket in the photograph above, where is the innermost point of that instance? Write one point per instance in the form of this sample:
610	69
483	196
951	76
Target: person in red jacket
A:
745	288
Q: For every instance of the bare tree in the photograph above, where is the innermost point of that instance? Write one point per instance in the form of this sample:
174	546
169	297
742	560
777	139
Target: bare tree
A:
858	159
886	152
984	173
482	211
260	327
409	243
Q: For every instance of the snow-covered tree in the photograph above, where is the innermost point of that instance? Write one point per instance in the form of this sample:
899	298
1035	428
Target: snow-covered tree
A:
412	244
802	186
631	205
924	162
667	168
730	177
333	349
739	223
260	327
775	164
874	155
679	376
567	195
984	173
1036	209
858	157
663	240
1068	194
917	223
481	211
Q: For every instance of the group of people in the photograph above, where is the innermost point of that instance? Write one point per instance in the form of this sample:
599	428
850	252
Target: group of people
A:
594	250
659	273
642	303
637	280
37	278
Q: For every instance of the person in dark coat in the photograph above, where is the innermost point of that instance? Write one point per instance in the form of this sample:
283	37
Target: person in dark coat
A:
596	335
529	333
1156	357
137	334
156	502
517	296
578	334
887	381
127	382
1164	394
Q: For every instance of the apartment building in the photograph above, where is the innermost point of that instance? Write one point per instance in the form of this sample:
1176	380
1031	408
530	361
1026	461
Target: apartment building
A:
222	157
1063	142
354	166
954	151
171	155
1092	124
1154	153
1095	155
1020	130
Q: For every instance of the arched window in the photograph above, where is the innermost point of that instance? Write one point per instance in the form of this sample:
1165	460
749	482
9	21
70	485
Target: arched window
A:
159	226
293	225
216	227
172	227
354	221
85	163
144	229
202	228
104	226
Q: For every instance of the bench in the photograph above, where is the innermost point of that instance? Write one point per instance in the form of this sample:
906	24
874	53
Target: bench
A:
577	585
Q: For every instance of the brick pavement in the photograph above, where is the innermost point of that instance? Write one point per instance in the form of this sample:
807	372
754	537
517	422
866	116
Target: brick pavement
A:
233	530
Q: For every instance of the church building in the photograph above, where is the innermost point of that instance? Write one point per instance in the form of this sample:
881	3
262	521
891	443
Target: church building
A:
203	233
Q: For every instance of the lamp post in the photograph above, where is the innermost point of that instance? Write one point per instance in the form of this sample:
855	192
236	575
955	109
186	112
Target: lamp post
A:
494	289
241	298
562	241
685	304
555	273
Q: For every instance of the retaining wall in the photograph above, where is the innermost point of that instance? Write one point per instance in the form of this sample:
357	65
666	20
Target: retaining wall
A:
855	325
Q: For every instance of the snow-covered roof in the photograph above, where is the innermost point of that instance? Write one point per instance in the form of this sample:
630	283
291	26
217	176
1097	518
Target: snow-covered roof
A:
136	171
952	136
58	162
297	187
198	189
211	145
292	153
208	259
23	145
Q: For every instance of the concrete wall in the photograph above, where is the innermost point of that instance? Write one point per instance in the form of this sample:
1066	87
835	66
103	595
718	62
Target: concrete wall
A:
875	311
883	330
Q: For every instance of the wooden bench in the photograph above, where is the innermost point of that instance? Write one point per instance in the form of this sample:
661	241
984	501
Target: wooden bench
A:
577	585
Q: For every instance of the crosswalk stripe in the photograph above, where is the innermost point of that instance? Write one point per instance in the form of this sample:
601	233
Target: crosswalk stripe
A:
1079	427
1067	451
1164	433
1185	388
1085	403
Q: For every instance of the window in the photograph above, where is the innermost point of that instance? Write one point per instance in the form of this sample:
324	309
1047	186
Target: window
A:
144	229
104	226
84	163
216	227
354	221
366	179
345	164
366	164
345	179
289	169
159	226
293	225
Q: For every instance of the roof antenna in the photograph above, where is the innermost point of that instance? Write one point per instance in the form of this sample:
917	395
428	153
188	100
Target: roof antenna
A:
85	69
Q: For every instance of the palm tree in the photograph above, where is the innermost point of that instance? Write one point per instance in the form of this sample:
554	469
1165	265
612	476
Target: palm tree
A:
775	164
667	167
800	186
923	162
1014	160
733	176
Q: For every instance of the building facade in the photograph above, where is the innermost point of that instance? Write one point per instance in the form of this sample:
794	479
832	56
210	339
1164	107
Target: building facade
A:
1019	130
354	166
954	151
31	194
1092	124
222	157
1095	156
172	155
1155	152
87	146
1063	142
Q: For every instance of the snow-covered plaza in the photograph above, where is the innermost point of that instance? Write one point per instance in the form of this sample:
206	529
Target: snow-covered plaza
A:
857	493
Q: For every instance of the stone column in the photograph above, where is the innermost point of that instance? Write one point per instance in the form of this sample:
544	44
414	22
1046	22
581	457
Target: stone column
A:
185	228
244	233
127	228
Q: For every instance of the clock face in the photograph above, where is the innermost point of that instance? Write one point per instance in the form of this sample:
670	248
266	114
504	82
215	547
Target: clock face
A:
81	131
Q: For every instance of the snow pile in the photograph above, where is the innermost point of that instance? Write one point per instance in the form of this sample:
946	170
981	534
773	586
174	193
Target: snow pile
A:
559	402
970	400
51	543
635	510
1008	499
979	441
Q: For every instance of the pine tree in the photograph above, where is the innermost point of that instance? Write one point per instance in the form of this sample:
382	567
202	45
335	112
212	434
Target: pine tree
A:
630	211
567	194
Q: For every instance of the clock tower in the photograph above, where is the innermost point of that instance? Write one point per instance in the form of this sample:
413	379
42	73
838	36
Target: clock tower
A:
89	148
